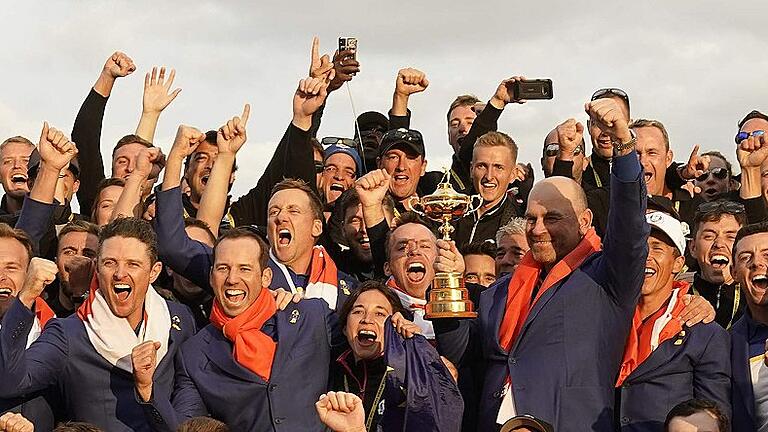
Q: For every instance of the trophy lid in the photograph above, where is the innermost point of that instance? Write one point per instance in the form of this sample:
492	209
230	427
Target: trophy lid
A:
445	192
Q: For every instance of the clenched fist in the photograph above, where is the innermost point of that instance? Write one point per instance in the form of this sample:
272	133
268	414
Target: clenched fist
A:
410	81
40	273
569	136
56	150
608	116
118	65
186	141
149	163
144	362
341	412
14	422
373	187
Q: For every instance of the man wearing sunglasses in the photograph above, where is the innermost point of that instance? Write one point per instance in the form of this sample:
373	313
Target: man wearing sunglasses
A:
716	181
556	161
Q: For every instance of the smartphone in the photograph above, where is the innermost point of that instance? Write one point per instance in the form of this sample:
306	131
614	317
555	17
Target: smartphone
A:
348	43
532	89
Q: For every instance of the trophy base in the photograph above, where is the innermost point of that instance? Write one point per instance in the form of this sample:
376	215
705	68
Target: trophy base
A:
448	298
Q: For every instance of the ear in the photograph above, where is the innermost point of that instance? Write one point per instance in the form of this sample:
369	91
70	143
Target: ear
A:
423	166
677	267
155	271
692	246
585	221
387	270
584	164
670	157
266	278
76	186
317	228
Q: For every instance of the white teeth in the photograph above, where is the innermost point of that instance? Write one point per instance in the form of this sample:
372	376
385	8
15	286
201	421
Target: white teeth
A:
365	240
367	332
760	278
122	286
5	291
719	259
400	177
650	271
19	178
234	292
488	185
416	267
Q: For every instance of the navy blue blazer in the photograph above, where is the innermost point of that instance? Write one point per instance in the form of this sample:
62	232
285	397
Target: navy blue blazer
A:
742	396
210	382
696	365
89	387
564	364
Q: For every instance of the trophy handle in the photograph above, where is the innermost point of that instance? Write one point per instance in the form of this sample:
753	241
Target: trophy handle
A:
472	198
416	205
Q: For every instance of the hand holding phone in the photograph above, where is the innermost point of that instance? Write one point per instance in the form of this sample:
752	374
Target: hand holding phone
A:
348	44
531	89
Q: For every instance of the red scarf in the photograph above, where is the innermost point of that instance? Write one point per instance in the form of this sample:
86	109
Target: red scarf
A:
322	269
253	349
412	300
43	312
636	353
525	278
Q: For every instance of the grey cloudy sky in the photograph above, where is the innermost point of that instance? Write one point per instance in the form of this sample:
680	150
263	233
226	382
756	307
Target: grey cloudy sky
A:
698	66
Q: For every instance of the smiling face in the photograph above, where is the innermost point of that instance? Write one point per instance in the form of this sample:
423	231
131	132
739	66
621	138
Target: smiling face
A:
712	248
412	254
654	157
459	123
199	169
293	227
750	268
510	251
406	168
236	276
717	180
662	264
14	160
13	269
356	234
124	270
601	141
365	325
492	172
339	175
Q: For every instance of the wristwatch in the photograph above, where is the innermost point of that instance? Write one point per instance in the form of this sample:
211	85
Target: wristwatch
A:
619	147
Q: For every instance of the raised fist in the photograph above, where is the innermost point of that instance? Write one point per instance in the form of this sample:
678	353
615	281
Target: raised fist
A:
149	163
373	187
410	81
118	65
56	150
569	135
14	422
504	94
40	273
231	137
186	141
448	260
752	152
157	90
341	412
608	116
144	362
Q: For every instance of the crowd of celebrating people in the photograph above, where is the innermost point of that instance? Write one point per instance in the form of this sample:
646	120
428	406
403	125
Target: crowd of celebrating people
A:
623	292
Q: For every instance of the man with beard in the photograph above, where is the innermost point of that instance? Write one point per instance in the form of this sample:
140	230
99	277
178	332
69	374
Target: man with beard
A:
538	329
667	360
750	332
255	367
494	160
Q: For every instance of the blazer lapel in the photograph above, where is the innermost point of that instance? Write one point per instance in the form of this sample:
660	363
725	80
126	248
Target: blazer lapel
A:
496	314
742	378
543	300
287	322
219	351
661	355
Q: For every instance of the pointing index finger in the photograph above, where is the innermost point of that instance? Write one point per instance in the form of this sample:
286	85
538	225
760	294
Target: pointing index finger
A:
315	49
246	114
694	152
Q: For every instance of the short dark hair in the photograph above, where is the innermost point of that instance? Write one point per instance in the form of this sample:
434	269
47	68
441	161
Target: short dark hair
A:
487	247
6	231
197	223
752	115
462	100
719	208
210	138
130	139
314	199
79	226
371	285
693	406
409	217
717	154
202	424
748	230
245	232
103	184
131	227
77	427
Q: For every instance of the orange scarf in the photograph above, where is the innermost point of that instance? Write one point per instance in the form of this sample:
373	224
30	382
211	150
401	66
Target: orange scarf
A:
253	349
43	312
634	353
525	278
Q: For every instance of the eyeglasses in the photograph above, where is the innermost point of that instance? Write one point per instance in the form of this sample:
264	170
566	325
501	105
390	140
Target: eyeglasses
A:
553	149
741	136
319	167
718	173
402	134
329	141
610	91
720	206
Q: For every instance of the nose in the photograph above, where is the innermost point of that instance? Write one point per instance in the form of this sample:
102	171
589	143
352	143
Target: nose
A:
232	278
120	272
411	248
400	165
363	230
539	228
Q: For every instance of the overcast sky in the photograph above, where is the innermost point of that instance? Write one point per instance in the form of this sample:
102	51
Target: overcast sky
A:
698	66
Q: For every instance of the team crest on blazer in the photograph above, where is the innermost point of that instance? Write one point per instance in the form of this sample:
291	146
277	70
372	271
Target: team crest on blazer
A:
294	316
176	322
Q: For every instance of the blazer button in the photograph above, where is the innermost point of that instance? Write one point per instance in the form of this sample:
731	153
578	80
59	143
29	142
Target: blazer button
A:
272	387
513	360
625	420
497	394
279	420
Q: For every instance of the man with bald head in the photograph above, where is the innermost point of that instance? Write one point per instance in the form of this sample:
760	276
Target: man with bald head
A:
549	338
563	162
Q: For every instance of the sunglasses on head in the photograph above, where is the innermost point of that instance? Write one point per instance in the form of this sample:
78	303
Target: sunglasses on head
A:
718	173
329	141
610	91
741	136
401	134
721	206
552	149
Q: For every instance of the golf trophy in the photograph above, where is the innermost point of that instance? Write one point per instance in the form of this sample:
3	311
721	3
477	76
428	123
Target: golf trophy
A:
448	297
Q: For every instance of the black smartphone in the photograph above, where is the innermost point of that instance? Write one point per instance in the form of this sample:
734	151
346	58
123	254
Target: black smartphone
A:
348	43
532	89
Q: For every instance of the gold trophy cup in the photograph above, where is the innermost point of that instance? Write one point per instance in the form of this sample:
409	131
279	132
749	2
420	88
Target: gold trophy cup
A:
448	297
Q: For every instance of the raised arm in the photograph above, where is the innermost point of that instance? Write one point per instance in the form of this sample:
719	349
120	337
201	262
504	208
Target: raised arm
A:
157	96
86	131
409	81
625	243
148	164
229	139
372	189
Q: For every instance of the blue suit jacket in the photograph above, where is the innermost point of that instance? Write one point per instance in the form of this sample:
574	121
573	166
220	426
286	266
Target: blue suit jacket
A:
90	388
696	365
210	382
742	396
565	362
